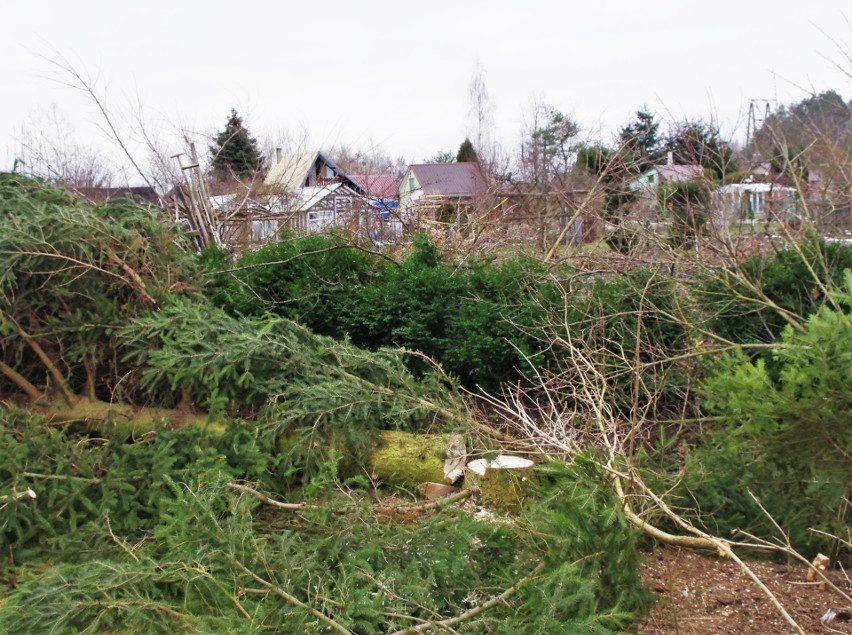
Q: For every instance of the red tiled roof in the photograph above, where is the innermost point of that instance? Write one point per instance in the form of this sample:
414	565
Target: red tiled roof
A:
381	185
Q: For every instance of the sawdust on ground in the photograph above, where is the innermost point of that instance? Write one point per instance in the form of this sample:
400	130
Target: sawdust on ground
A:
697	594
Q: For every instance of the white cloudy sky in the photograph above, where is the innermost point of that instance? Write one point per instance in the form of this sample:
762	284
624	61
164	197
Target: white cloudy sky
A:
396	74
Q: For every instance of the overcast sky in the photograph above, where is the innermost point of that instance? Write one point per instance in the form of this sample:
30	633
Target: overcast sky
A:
396	74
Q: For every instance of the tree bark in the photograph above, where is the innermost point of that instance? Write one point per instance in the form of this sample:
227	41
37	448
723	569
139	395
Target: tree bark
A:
121	420
400	458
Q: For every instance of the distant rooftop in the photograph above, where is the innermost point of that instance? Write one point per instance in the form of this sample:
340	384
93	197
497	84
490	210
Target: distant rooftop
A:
291	172
379	185
449	179
670	172
141	195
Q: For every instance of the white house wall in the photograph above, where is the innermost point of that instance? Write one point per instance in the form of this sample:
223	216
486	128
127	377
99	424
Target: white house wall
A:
410	194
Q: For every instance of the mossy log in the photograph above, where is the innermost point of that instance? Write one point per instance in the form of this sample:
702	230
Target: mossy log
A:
403	459
409	460
120	420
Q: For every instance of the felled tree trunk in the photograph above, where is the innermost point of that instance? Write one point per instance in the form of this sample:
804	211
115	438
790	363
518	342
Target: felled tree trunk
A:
403	459
408	460
121	420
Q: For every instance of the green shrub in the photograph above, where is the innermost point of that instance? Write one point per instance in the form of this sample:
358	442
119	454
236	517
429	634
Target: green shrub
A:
473	319
308	279
740	315
80	480
788	440
484	322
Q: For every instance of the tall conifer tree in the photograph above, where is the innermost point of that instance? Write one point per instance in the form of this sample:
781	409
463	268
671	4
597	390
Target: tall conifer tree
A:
467	153
641	141
235	151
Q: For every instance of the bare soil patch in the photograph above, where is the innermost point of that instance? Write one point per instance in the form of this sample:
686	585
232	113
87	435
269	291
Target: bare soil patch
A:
697	594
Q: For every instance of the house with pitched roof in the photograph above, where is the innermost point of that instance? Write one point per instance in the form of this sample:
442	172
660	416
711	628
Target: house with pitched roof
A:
646	209
440	192
309	192
648	182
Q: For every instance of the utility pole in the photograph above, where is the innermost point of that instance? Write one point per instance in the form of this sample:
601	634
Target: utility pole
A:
755	117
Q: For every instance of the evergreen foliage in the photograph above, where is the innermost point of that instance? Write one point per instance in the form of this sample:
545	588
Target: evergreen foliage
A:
442	156
288	356
696	142
461	317
72	273
734	303
477	320
787	439
640	141
483	322
96	318
551	146
178	558
308	279
804	135
466	153
235	151
81	481
325	395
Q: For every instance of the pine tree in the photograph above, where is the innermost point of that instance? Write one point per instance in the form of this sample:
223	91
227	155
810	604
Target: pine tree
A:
641	140
696	142
467	153
235	151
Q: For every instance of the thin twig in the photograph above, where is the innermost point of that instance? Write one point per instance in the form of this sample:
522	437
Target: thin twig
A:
61	477
451	621
266	499
441	502
293	599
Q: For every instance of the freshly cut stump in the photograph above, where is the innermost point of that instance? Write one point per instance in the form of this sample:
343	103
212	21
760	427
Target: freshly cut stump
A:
500	480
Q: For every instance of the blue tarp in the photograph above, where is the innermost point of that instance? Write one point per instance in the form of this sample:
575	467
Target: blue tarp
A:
384	207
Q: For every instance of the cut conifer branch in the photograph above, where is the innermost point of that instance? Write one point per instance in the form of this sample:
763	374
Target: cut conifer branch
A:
467	615
34	394
45	359
292	599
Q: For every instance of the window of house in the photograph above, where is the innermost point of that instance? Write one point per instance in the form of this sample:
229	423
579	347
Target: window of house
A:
320	220
262	230
411	184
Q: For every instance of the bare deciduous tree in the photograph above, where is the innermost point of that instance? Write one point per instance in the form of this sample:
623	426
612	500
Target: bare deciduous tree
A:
50	150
